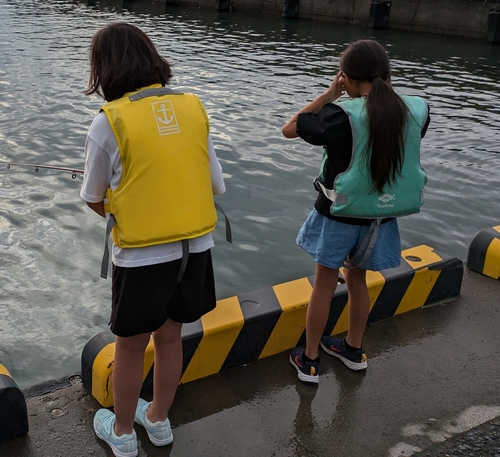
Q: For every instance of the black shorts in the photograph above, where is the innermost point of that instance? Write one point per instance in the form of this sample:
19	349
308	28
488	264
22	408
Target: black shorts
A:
143	298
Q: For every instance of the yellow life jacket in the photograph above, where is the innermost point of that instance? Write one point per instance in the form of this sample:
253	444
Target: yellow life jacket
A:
165	193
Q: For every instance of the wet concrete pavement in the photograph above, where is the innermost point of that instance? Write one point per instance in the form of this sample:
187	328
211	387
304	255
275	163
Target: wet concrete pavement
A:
432	381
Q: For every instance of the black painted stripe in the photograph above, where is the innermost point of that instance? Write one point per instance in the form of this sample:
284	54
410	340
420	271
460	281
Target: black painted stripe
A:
90	352
13	411
449	281
338	304
261	311
397	281
192	335
476	256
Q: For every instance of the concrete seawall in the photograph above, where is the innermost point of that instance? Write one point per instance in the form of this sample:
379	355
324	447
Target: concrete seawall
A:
453	17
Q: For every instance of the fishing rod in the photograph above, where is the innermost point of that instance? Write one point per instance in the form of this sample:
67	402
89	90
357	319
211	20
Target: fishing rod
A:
74	172
37	167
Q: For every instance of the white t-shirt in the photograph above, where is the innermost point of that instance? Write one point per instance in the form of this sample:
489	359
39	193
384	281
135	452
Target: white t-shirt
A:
103	169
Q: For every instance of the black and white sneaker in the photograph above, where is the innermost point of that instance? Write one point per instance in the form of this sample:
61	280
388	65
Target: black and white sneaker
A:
355	360
307	371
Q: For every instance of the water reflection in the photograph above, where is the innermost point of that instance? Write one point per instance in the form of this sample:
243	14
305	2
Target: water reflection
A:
252	72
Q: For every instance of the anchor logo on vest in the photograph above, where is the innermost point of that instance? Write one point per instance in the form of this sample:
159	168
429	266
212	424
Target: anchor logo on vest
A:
166	121
386	198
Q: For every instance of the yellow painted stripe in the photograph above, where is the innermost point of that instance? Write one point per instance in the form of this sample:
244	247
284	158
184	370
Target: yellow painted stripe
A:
420	256
220	330
102	381
4	371
424	280
497	228
293	298
342	324
418	291
492	259
102	371
375	282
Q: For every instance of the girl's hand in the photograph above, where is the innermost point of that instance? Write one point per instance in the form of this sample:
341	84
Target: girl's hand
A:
336	88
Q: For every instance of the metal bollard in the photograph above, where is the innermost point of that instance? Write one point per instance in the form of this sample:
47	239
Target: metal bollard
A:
493	27
379	14
291	9
223	5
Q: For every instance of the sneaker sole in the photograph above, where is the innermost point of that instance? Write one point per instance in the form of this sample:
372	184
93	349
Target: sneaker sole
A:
153	439
158	442
355	366
116	452
303	377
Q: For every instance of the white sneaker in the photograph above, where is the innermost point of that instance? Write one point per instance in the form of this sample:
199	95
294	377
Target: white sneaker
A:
159	433
104	427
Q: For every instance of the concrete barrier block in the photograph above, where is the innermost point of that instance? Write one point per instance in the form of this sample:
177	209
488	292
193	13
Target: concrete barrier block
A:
249	327
98	358
13	410
484	253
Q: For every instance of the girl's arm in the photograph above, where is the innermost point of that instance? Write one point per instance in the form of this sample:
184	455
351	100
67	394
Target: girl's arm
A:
98	208
98	165
335	90
218	185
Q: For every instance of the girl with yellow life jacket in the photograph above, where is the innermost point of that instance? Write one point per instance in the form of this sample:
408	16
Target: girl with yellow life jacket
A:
370	175
151	168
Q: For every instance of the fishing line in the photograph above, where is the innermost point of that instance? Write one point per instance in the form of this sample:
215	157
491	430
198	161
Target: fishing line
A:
36	167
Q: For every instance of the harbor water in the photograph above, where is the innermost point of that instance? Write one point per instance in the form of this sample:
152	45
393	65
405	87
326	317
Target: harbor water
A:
252	72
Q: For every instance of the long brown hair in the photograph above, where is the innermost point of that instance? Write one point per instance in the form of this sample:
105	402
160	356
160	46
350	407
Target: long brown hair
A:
124	59
367	60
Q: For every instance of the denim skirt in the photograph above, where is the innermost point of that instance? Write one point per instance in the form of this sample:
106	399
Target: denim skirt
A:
330	243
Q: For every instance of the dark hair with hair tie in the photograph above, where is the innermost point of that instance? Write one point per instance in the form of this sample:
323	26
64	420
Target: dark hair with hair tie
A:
123	59
387	113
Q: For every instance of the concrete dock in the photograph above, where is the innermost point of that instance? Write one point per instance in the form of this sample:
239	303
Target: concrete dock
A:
431	389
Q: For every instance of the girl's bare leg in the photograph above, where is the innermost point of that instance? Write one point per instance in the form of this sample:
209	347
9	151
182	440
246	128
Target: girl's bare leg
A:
167	370
318	309
359	305
127	379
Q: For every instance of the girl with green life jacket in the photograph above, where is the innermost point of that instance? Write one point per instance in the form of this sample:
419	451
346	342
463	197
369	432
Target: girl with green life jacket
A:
370	175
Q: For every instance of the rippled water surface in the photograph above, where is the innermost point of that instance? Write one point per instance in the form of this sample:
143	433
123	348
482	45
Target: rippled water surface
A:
252	72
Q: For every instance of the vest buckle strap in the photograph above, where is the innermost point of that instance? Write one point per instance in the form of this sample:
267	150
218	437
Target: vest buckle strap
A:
335	197
105	257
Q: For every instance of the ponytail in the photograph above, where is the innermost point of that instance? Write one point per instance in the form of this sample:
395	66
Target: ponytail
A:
366	60
387	115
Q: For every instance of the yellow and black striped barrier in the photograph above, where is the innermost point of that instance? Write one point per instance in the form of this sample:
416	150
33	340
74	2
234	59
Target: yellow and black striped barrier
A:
484	252
13	411
249	327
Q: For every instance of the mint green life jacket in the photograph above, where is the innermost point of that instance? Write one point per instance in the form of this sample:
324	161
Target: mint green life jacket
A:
352	194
